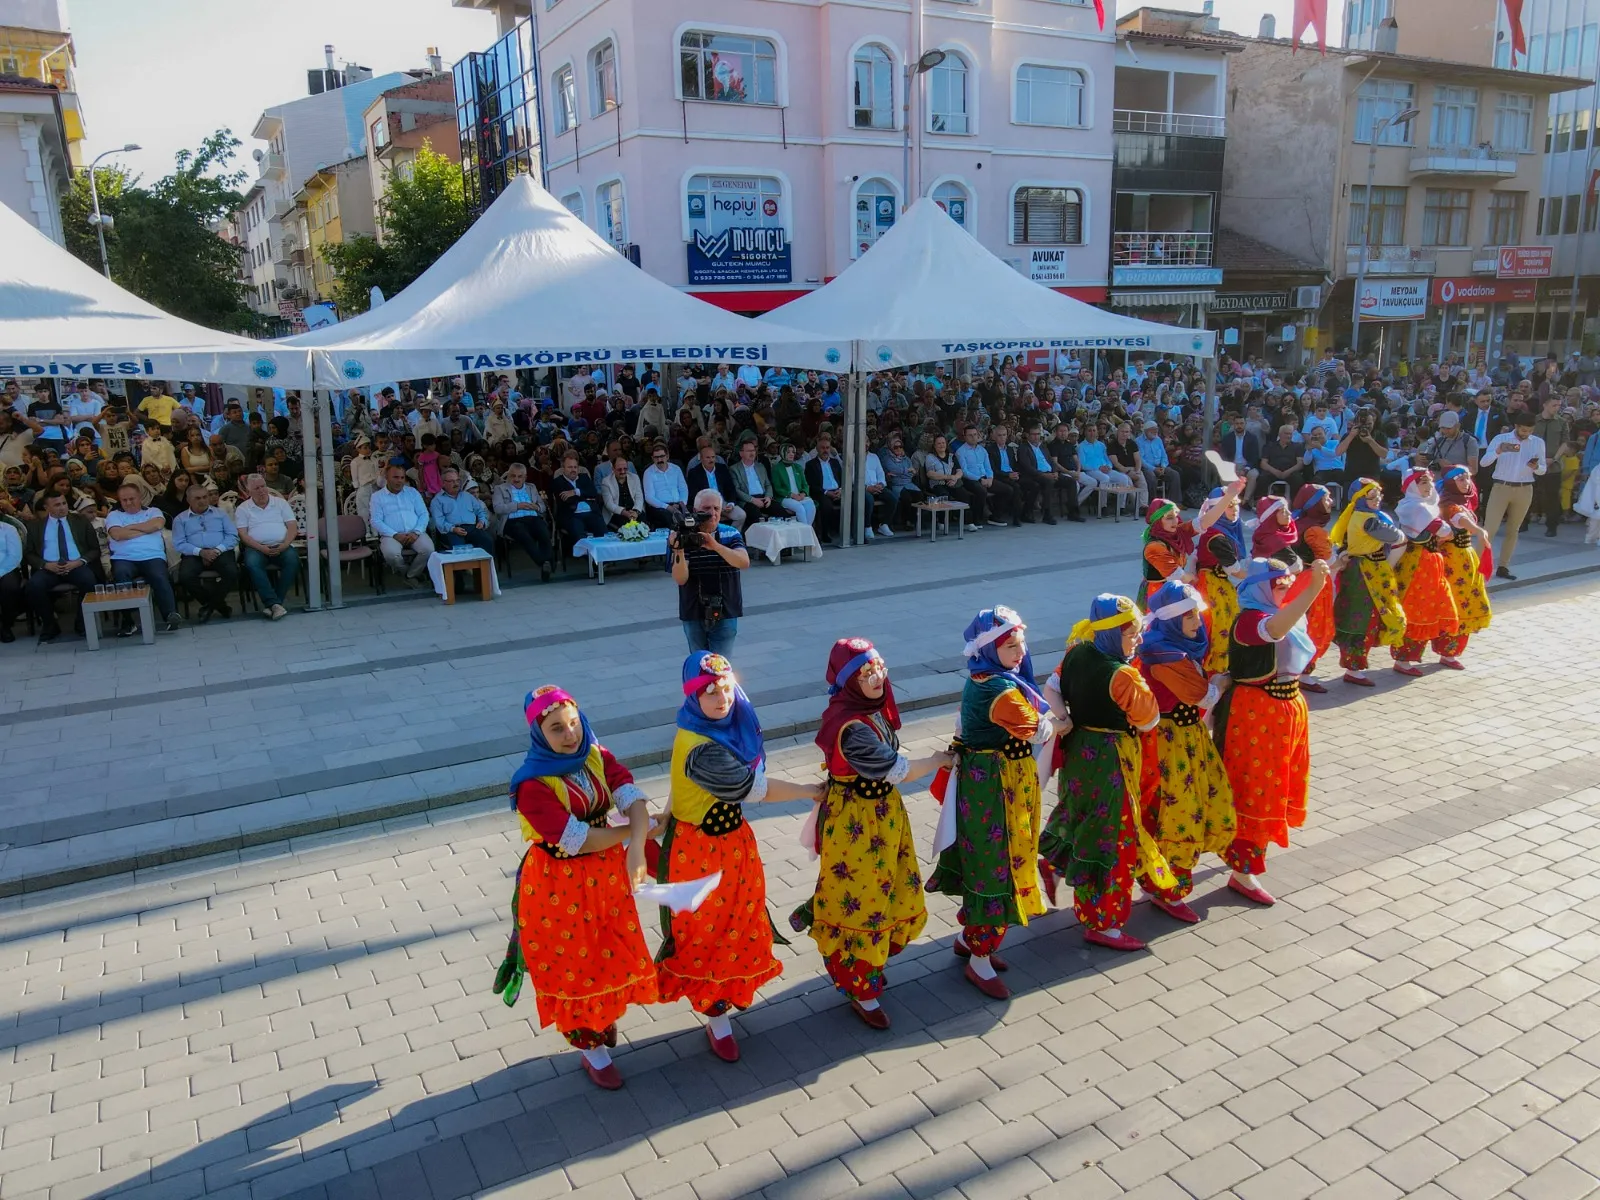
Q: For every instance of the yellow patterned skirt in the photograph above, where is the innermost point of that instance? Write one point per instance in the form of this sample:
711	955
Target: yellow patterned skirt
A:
1223	599
1461	568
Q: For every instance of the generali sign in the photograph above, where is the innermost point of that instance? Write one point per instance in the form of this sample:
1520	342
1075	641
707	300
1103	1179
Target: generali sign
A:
1525	262
1469	289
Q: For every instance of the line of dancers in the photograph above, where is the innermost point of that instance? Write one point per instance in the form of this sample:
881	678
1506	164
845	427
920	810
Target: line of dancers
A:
1175	726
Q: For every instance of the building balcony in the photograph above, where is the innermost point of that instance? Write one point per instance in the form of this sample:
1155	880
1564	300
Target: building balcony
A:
1391	260
1161	249
1128	120
280	208
1479	161
273	165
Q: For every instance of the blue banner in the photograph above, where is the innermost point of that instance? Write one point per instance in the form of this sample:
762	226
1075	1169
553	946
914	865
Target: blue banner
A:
739	256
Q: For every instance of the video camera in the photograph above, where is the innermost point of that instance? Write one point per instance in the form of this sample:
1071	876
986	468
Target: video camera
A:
686	527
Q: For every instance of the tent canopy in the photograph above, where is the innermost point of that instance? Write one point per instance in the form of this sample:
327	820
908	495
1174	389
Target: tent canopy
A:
928	290
529	286
61	318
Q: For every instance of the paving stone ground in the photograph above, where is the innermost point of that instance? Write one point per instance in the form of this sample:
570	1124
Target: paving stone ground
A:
1418	1016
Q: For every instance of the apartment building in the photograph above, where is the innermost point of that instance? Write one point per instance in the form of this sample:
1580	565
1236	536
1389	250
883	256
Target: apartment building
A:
41	119
400	121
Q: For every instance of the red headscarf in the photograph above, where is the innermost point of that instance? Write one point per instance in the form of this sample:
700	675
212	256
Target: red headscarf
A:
1271	539
1180	540
846	701
1314	501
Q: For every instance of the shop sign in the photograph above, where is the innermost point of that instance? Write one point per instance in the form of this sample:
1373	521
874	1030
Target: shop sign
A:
1468	290
1394	299
1047	264
739	255
1525	262
1249	302
1144	276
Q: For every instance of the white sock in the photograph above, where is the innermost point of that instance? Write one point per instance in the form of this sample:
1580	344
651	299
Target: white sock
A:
868	1005
1245	878
721	1027
599	1058
1111	933
981	967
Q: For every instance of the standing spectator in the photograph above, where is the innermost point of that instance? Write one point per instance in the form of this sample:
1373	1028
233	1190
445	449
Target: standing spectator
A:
459	517
10	579
206	538
17	433
666	492
1450	447
267	529
138	551
401	521
579	512
710	595
157	406
521	511
1518	458
62	548
1553	431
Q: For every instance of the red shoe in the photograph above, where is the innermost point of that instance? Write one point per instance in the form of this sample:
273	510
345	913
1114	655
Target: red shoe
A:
992	988
1410	669
875	1018
1049	880
1250	891
607	1077
1177	910
1358	680
1096	937
724	1048
1453	664
1313	685
964	951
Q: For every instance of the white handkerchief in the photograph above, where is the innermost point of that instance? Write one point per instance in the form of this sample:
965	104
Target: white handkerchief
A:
687	896
1226	471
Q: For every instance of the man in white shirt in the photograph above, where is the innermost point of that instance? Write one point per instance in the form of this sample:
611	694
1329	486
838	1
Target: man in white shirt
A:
267	531
138	551
401	521
1516	456
666	491
81	402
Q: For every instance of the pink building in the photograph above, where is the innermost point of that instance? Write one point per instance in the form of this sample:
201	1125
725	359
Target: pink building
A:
750	149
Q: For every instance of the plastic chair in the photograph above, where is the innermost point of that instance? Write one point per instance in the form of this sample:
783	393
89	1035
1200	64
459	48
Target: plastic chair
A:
355	546
1279	483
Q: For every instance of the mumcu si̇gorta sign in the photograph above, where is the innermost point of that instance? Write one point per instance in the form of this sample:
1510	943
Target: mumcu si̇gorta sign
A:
739	256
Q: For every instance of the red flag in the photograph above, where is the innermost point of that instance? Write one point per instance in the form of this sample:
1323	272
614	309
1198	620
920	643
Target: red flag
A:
1315	14
1594	177
1519	42
1100	10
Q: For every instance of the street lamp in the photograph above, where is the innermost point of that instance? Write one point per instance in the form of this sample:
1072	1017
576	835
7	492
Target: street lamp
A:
915	70
1399	118
100	222
1584	208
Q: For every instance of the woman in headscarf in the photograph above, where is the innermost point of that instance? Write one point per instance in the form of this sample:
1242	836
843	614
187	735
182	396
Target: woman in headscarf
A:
1366	606
1221	549
988	835
1187	799
576	928
1313	508
720	954
1261	724
789	485
1169	541
867	906
1425	593
1458	505
1095	838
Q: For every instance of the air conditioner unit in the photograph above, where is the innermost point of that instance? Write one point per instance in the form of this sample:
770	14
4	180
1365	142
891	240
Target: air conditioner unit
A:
1308	297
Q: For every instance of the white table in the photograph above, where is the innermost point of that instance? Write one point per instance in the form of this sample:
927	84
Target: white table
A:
440	560
611	548
936	508
772	538
96	603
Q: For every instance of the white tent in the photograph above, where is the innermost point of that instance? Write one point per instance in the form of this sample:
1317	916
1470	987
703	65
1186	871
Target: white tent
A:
927	290
61	318
531	286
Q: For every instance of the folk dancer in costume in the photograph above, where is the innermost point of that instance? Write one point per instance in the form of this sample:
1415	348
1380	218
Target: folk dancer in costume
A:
1261	723
577	932
1187	801
1096	838
868	903
719	955
1169	543
1313	509
1463	567
1366	606
988	835
1425	593
1222	548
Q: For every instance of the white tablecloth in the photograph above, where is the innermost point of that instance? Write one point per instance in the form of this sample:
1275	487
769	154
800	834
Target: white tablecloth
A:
440	559
773	537
611	548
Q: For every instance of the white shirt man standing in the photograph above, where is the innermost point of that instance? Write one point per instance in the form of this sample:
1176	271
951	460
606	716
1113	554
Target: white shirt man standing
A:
1517	456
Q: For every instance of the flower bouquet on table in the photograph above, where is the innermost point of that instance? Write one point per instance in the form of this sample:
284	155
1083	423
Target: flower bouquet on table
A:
634	531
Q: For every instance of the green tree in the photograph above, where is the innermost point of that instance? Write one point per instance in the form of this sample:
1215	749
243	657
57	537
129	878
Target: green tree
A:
163	246
423	216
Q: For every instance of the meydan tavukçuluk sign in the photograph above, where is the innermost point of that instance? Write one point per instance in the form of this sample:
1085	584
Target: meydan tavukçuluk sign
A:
530	286
62	319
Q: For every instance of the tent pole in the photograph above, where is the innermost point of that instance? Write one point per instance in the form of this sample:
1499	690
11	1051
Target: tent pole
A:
1209	410
308	435
858	494
330	501
847	473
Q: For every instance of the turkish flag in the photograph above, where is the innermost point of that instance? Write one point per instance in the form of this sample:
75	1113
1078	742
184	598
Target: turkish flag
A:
1100	10
1594	177
1519	41
1315	14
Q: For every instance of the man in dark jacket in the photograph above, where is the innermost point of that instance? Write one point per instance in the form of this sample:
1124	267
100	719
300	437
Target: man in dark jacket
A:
1006	494
824	476
579	511
63	548
706	472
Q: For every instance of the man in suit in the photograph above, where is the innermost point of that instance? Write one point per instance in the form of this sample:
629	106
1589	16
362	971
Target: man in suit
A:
824	475
752	485
1482	421
1006	492
63	548
1041	479
1242	448
706	472
579	510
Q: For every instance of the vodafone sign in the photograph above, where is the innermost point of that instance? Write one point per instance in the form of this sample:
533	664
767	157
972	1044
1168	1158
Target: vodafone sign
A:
1525	262
1471	290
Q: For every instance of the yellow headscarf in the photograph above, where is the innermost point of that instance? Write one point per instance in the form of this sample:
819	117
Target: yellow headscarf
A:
1124	613
1340	532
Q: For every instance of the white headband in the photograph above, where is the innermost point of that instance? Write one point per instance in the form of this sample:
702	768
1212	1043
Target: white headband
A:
989	636
1273	506
1192	601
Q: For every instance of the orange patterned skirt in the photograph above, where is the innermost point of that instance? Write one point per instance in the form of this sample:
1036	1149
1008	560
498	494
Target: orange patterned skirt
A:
1425	595
1319	618
1266	750
721	954
581	939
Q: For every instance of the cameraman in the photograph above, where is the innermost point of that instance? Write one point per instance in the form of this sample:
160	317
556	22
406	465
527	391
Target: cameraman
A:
705	565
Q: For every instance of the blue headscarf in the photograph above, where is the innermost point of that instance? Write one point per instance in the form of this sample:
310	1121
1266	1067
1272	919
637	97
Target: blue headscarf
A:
1112	612
541	761
1233	527
1255	595
984	635
1164	640
740	731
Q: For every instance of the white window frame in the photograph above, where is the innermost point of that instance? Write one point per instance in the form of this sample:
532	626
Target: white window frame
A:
601	207
969	65
855	194
785	191
1377	98
1087	106
597	105
559	97
1517	108
780	68
582	210
971	223
1085	215
896	88
1457	107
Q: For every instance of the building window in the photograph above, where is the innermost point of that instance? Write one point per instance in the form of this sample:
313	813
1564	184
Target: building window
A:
1377	100
1455	118
1563	133
603	77
379	131
1505	218
1444	216
872	94
1573	207
948	110
728	67
956	201
565	91
1513	122
610	214
1049	216
876	203
1386	226
574	203
1050	96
